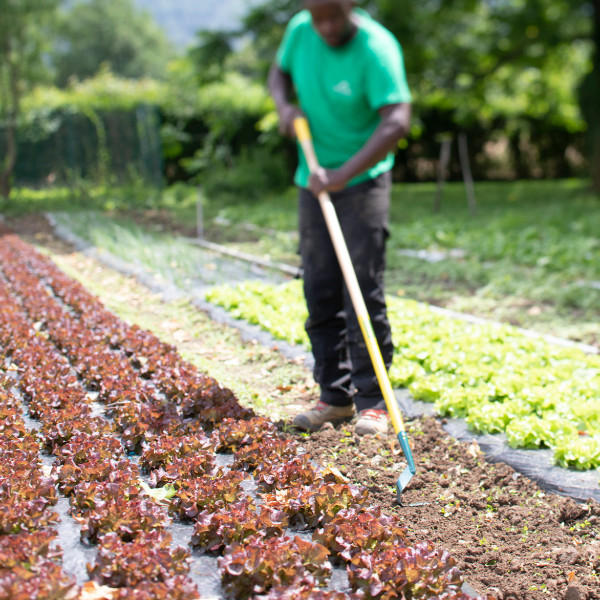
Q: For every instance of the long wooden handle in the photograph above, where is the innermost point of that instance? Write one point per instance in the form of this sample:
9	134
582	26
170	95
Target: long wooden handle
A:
337	237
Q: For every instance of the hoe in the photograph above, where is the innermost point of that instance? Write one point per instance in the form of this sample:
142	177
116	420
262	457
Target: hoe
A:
305	139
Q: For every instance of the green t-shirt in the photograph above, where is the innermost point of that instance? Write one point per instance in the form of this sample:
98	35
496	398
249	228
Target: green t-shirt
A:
340	89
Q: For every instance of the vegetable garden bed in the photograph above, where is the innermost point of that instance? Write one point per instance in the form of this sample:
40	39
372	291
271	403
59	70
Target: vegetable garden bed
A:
533	546
537	392
105	414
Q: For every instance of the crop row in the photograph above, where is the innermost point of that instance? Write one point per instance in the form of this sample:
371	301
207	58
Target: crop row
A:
496	377
29	565
133	432
90	465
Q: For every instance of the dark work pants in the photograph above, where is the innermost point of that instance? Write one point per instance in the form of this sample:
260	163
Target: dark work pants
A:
343	367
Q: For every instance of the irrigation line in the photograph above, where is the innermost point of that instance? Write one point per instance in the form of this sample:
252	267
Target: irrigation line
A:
527	332
295	272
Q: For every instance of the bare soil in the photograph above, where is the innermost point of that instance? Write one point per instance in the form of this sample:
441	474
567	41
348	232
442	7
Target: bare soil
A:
512	540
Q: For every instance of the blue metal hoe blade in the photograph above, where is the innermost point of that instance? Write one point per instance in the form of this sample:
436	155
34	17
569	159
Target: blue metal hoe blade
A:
410	470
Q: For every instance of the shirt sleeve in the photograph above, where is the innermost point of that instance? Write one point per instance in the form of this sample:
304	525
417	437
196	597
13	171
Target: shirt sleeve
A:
386	76
288	44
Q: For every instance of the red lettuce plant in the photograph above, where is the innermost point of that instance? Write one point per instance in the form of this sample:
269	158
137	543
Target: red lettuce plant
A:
148	557
42	580
83	448
26	548
213	493
9	408
19	451
305	592
17	514
188	467
115	383
313	506
61	426
12	426
126	518
297	472
28	484
187	387
354	530
6	382
45	397
69	475
264	454
141	421
178	588
414	572
165	449
232	434
259	564
213	404
235	523
118	485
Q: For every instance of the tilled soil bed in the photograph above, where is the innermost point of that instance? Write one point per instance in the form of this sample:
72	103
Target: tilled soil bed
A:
511	539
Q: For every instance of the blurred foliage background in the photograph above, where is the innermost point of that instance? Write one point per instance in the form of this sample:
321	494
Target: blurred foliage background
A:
94	90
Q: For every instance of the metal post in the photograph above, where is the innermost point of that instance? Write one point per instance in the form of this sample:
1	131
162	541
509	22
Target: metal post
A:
441	172
463	154
199	215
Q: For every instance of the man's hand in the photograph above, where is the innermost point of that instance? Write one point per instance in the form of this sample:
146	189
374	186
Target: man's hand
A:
395	119
327	180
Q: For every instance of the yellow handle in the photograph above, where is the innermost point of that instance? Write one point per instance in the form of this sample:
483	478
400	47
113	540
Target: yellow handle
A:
302	129
305	139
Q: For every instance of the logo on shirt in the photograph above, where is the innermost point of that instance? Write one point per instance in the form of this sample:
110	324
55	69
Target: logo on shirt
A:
343	87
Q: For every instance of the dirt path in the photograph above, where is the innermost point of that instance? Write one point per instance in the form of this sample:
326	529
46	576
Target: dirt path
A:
512	540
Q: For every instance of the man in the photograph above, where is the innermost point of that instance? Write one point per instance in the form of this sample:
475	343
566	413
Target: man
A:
347	73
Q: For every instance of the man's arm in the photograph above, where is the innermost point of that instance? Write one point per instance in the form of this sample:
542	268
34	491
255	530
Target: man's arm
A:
281	89
394	125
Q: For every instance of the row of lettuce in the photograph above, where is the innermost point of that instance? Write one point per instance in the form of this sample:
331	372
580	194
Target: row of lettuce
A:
497	377
134	432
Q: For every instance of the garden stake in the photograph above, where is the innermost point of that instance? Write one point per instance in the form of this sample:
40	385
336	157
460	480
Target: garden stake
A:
341	249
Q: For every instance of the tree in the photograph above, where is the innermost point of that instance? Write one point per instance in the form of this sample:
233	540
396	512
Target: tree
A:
23	36
589	94
113	32
515	63
209	53
266	24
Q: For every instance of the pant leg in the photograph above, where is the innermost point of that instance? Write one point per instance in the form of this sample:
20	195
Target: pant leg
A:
363	212
333	329
324	294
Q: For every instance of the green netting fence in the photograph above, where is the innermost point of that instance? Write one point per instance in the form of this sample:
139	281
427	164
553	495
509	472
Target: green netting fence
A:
62	146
